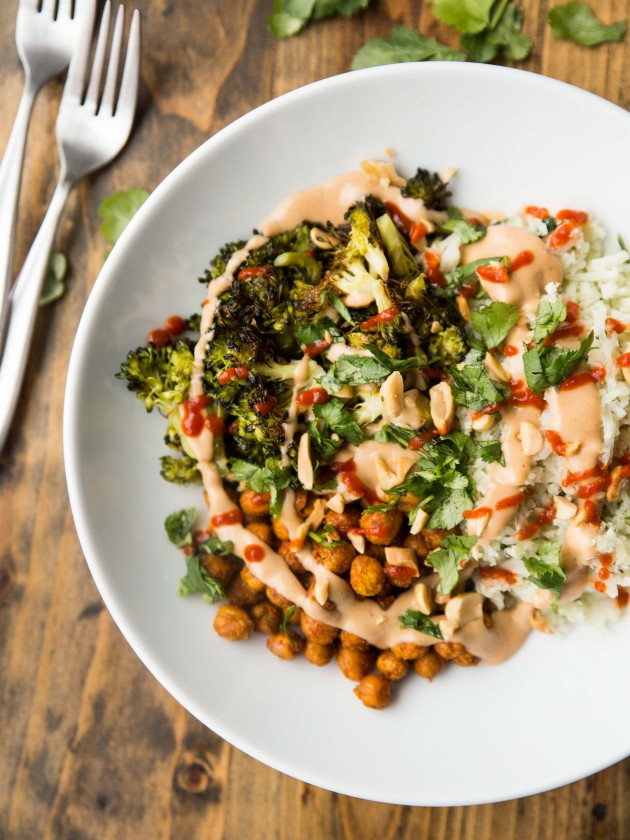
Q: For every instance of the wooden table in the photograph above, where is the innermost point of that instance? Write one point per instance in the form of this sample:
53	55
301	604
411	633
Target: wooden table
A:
91	746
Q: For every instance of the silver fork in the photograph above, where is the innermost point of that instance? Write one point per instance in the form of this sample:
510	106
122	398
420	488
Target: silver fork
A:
45	43
89	134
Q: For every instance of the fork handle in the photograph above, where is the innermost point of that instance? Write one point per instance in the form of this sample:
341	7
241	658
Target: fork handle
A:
24	303
10	178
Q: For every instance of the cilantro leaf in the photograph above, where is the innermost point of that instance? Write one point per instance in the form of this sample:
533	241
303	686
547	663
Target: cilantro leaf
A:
179	525
339	419
576	22
264	480
506	37
449	508
216	547
291	16
549	316
352	369
390	433
465	15
494	322
545	571
467	231
447	559
54	285
286	619
117	211
473	388
404	44
197	579
325	446
414	620
490	450
326	536
338	305
316	330
548	366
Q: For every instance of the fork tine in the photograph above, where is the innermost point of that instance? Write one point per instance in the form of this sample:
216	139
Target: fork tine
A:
129	84
109	93
48	8
75	81
91	98
64	9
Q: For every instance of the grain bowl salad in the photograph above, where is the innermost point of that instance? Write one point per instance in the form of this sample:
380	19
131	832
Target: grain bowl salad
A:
410	423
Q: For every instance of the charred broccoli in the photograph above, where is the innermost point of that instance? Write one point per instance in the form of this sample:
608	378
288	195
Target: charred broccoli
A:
181	470
429	188
159	376
219	262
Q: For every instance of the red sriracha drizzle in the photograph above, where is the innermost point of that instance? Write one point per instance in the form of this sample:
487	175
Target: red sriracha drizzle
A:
434	274
521	395
255	271
547	515
520	261
538	212
193	415
613	325
262	408
254	553
228	375
381	318
231	517
493	273
313	396
498	573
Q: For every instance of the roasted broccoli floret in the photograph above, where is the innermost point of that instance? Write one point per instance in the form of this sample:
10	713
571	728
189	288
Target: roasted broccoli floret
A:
429	188
449	346
256	428
159	376
181	470
404	267
360	268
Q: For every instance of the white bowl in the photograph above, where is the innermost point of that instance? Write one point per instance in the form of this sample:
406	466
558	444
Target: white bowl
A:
552	714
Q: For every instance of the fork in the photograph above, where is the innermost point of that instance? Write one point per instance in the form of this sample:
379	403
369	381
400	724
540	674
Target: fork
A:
45	43
91	131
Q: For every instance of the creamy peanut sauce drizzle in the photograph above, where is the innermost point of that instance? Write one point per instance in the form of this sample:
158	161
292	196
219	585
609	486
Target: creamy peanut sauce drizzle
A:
328	202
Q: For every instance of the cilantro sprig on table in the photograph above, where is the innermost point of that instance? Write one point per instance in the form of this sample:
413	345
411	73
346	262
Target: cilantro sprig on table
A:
178	527
577	22
291	16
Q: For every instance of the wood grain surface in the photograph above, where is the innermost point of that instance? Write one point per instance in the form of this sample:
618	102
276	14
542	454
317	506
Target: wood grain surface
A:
91	746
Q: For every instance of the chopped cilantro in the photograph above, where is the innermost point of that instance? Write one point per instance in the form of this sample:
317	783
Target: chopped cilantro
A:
337	418
494	322
549	366
545	571
179	525
390	433
197	579
415	620
447	560
473	388
549	316
264	480
467	231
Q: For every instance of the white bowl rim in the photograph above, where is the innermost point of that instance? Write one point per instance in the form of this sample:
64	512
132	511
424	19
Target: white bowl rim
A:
72	408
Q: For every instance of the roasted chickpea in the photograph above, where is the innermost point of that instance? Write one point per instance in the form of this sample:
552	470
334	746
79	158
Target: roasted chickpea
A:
429	666
285	645
253	503
391	666
407	502
434	537
239	592
277	599
466	660
416	541
318	654
349	640
449	650
336	558
374	691
380	527
317	631
342	522
233	623
219	568
355	664
292	560
295	616
367	577
250	579
304	502
267	618
409	650
280	529
263	531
